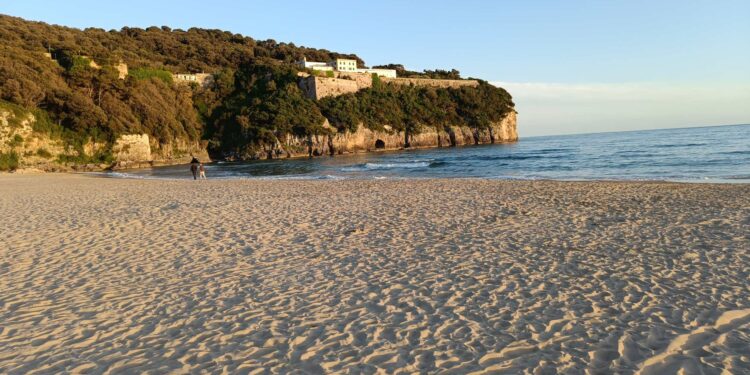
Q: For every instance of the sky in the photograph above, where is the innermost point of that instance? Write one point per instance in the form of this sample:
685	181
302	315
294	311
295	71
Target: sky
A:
571	66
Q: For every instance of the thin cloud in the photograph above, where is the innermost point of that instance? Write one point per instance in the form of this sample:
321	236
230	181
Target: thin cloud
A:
558	108
620	91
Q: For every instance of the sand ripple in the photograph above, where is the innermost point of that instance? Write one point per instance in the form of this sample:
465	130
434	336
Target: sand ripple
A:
123	276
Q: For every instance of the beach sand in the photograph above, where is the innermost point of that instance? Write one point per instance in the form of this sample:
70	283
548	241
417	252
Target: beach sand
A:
435	276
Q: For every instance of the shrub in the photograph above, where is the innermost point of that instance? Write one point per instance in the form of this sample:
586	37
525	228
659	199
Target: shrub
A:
79	63
16	141
43	153
71	62
8	161
17	113
147	73
102	157
44	124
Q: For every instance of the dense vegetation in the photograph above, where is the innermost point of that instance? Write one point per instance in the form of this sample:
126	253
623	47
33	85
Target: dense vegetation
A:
8	161
254	99
434	74
410	109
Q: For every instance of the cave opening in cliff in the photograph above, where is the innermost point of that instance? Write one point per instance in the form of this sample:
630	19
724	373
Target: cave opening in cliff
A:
379	144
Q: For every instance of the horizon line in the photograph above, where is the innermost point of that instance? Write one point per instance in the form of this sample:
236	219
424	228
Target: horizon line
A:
634	130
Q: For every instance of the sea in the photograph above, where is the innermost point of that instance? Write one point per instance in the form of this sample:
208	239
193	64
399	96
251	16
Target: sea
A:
700	154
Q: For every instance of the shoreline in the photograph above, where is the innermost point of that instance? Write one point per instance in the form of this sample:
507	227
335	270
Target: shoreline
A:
104	174
110	275
145	164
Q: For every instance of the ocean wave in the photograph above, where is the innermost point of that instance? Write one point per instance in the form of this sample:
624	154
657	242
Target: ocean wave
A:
124	175
634	153
381	166
679	145
506	157
299	177
676	155
352	169
372	166
553	150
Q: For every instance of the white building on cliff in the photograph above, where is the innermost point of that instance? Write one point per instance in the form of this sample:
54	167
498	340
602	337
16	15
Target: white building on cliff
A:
202	79
345	65
315	65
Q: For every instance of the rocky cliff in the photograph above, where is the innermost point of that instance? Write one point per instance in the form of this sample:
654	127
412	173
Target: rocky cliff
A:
139	151
29	148
366	140
39	150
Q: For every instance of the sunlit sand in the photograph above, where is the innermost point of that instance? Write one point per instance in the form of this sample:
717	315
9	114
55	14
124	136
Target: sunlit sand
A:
438	276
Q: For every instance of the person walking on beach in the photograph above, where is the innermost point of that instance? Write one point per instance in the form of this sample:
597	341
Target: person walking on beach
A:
194	167
202	171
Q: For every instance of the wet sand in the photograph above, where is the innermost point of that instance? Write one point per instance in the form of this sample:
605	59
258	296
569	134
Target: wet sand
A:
434	276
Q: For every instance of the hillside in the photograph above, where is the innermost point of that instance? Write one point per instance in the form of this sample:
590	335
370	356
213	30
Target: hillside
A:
66	90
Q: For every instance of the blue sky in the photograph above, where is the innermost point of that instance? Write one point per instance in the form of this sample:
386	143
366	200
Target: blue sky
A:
572	66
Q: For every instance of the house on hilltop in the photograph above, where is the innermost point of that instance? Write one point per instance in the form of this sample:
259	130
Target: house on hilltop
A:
346	66
202	79
346	78
321	66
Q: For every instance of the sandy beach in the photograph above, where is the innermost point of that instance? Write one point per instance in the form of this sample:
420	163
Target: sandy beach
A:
105	275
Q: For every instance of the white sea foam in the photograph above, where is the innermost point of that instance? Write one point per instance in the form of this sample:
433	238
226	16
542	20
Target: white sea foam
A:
381	166
300	177
420	164
116	175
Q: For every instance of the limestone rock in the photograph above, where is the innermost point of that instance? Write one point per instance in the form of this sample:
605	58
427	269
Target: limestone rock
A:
132	147
366	140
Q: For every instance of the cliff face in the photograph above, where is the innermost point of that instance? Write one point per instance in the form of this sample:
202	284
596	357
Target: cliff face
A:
366	140
134	151
139	151
40	151
33	150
